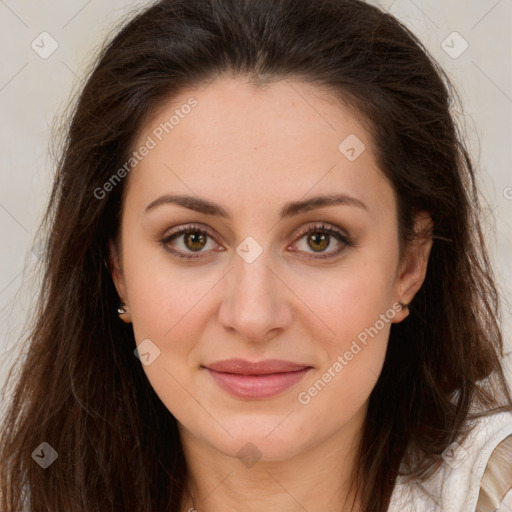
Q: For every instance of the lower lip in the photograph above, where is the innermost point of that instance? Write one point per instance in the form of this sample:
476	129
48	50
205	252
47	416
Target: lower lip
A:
257	386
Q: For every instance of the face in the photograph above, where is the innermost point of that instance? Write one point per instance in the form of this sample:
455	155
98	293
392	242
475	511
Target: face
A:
250	267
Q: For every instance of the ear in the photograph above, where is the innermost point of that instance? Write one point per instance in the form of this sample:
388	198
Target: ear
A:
116	271
412	270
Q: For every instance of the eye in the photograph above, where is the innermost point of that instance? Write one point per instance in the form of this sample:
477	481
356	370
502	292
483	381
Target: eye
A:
319	238
194	239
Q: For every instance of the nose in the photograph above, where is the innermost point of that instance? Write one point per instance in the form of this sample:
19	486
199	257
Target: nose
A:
255	301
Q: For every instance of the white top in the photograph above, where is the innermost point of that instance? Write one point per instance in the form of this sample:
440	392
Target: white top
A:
456	486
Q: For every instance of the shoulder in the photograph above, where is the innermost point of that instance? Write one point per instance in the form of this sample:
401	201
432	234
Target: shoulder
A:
481	461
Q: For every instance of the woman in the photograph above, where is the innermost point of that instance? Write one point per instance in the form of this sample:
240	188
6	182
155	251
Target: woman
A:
266	284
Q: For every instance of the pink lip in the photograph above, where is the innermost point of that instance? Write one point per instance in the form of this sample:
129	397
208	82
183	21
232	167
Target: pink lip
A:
262	379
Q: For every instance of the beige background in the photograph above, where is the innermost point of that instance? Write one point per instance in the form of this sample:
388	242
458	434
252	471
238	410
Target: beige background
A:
33	90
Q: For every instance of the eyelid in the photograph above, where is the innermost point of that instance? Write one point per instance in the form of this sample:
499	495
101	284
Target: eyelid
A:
179	230
320	226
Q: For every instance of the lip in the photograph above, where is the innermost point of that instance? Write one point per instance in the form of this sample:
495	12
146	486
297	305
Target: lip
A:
260	379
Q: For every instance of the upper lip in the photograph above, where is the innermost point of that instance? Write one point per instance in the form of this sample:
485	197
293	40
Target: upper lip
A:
265	367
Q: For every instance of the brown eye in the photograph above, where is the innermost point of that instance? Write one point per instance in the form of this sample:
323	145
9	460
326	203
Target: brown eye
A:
195	240
318	241
187	240
320	238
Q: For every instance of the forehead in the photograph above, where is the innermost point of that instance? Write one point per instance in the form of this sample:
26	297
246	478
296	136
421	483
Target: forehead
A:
244	117
237	142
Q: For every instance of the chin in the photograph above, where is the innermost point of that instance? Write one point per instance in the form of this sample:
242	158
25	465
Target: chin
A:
263	440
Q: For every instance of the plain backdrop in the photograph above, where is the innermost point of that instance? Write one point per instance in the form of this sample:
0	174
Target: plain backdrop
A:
47	49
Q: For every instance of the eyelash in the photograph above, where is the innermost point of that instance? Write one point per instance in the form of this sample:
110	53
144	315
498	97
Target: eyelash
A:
322	228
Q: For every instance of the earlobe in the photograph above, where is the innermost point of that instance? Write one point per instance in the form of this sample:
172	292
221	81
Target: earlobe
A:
123	313
414	266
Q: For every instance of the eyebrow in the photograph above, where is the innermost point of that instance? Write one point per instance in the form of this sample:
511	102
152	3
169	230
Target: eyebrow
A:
290	209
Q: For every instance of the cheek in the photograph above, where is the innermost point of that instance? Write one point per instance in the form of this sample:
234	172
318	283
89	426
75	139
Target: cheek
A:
359	314
161	293
355	307
349	297
358	319
168	308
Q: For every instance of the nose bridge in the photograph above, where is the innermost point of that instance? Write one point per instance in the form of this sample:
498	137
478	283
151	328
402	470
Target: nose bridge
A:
253	301
252	278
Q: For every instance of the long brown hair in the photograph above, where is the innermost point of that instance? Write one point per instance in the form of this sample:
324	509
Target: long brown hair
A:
79	387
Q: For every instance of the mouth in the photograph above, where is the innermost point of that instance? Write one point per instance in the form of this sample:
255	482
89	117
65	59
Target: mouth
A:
256	380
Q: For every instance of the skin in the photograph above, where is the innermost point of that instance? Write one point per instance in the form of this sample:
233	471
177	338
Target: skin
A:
252	151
